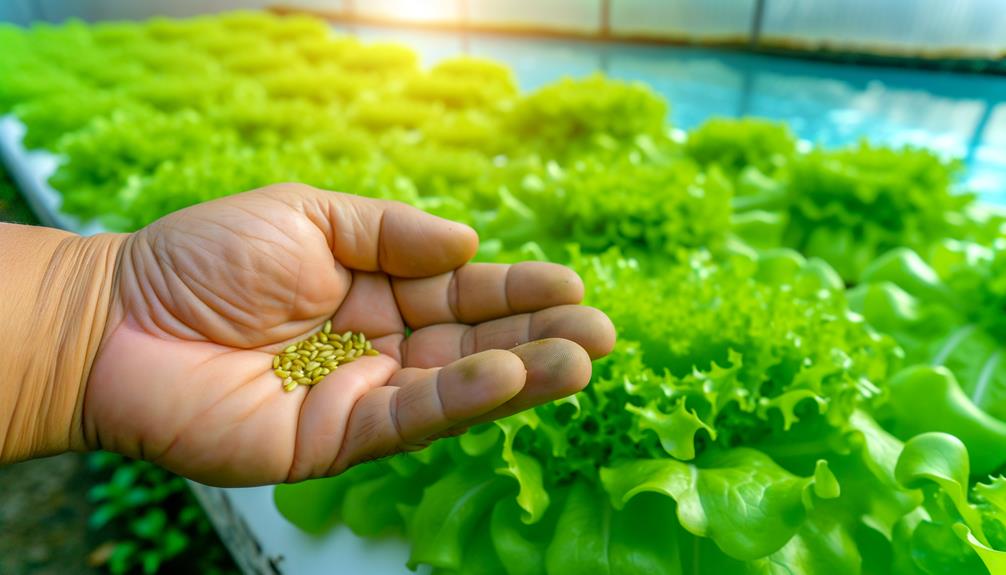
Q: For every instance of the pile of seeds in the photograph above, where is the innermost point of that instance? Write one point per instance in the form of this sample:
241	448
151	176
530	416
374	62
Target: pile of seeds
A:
307	362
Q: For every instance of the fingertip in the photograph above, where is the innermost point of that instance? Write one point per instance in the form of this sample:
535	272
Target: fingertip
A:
587	326
537	285
418	244
607	336
478	383
560	366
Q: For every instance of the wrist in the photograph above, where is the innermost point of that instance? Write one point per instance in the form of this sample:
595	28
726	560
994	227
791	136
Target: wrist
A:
63	289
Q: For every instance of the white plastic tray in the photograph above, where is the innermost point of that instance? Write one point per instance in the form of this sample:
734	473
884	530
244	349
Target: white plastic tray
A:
259	538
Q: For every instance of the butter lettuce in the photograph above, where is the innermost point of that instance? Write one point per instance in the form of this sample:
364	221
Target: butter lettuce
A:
958	529
948	317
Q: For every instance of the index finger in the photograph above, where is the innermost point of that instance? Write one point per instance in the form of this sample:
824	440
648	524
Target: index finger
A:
380	235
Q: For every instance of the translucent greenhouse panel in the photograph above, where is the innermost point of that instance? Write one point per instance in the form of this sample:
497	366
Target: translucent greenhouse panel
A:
540	62
974	27
988	170
58	10
566	15
440	11
683	19
697	84
15	11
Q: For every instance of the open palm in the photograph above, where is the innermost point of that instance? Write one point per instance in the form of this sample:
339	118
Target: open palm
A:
206	296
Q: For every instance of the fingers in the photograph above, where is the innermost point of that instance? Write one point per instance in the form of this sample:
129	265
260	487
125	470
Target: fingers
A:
442	344
421	404
369	307
555	368
326	408
392	418
377	235
478	292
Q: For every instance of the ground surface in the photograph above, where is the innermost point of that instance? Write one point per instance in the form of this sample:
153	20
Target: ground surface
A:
43	517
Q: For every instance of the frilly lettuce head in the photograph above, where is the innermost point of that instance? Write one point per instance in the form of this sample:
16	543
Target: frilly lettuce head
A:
851	205
739	144
651	205
727	433
574	115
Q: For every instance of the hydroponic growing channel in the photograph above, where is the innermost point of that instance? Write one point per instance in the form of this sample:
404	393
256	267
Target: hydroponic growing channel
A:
810	373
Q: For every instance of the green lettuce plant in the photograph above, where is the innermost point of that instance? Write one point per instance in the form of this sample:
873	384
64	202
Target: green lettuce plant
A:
724	433
744	144
949	317
958	529
851	205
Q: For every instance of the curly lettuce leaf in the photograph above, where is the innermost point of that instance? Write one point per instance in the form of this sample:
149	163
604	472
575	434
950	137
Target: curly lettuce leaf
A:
573	115
739	144
851	205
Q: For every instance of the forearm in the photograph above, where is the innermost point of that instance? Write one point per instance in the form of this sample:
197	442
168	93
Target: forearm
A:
56	290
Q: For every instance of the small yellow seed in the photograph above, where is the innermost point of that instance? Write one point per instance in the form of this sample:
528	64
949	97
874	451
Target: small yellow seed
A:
307	362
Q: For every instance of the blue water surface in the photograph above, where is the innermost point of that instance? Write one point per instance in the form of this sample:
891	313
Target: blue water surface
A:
957	115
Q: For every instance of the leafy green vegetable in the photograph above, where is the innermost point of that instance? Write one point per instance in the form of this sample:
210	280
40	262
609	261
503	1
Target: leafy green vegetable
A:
717	418
948	317
736	145
573	115
951	535
151	520
739	498
849	206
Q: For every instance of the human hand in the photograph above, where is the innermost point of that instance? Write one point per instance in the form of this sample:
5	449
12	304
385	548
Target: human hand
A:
205	297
